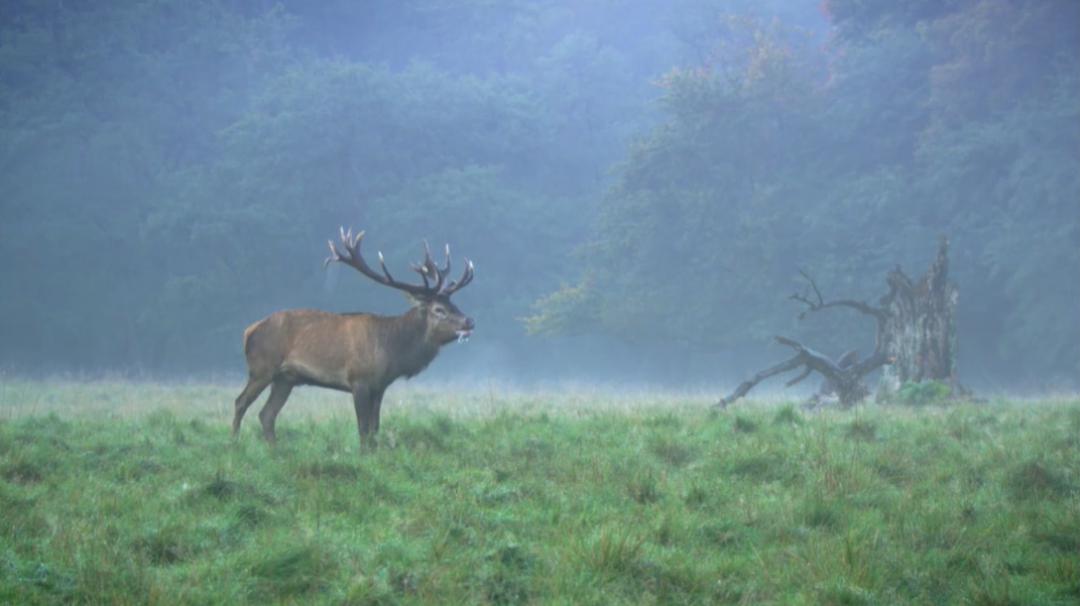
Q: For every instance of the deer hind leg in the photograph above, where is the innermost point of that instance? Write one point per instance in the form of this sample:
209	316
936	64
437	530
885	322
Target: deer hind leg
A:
279	393
255	386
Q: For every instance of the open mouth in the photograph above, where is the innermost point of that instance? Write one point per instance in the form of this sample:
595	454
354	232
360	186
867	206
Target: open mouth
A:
463	335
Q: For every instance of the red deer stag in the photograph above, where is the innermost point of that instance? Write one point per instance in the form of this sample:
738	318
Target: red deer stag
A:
358	353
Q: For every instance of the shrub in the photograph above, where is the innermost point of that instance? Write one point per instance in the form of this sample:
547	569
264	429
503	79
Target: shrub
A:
863	430
924	393
787	416
744	425
671	450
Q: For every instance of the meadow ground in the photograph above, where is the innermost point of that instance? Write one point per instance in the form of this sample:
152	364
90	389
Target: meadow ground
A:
128	493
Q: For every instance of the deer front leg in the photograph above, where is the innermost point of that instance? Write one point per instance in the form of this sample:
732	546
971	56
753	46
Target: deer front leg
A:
376	406
362	401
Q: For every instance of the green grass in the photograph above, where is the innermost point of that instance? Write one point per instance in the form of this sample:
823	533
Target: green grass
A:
133	493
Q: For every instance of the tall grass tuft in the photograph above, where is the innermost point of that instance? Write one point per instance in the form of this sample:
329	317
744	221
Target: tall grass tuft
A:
293	571
1037	480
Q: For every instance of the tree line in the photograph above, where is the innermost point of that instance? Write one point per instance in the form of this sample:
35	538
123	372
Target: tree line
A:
170	171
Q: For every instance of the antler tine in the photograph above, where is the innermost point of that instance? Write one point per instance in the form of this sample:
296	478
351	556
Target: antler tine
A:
430	267
421	269
466	277
440	278
446	266
382	263
424	267
334	256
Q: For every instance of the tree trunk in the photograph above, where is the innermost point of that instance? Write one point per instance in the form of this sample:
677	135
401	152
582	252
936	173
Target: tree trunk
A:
919	332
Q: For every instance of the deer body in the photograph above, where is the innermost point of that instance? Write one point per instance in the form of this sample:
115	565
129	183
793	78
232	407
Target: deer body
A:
358	353
338	350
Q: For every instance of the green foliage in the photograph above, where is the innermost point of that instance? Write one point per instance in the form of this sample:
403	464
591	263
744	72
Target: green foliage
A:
169	168
938	117
198	152
924	393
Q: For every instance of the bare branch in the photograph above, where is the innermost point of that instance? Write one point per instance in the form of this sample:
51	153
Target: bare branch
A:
819	303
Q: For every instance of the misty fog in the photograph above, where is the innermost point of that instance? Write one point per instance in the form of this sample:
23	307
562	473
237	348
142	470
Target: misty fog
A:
638	183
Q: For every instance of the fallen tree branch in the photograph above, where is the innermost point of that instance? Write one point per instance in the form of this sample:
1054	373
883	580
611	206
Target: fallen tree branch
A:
844	378
749	384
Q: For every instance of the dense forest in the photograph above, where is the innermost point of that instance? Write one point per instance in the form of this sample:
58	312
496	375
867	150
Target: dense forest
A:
638	182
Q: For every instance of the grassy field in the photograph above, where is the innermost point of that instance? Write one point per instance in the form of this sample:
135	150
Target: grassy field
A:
115	493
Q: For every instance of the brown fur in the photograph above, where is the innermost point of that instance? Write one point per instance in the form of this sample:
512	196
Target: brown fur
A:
358	353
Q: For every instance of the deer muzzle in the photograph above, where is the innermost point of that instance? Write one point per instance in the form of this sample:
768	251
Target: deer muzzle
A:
466	332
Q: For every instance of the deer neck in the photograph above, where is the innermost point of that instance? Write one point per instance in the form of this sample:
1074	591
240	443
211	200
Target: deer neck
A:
414	347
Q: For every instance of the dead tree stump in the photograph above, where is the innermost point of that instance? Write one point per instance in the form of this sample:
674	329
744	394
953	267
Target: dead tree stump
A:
919	331
915	338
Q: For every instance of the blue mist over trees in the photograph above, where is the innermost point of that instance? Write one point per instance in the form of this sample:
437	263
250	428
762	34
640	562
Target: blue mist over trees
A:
638	182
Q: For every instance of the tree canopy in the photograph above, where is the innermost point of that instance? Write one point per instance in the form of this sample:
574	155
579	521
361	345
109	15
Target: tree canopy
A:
634	171
914	120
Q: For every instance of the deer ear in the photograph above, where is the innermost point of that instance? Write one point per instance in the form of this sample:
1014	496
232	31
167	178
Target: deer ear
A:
413	299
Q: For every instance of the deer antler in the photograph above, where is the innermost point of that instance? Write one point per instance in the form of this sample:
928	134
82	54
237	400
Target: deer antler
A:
433	276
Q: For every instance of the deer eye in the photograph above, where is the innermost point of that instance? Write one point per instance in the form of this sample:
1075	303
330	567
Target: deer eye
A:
440	312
